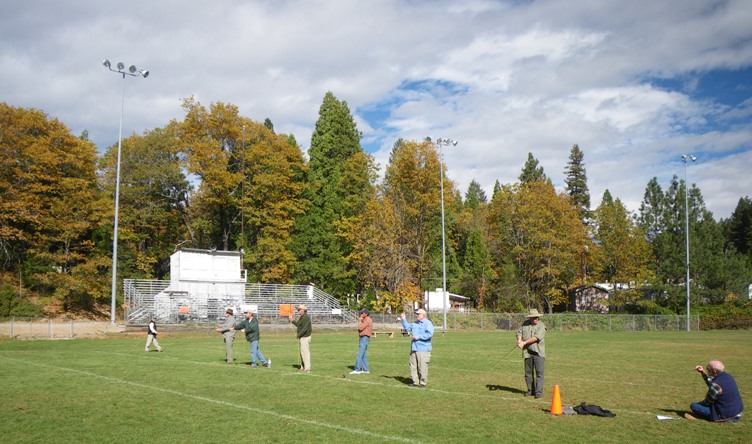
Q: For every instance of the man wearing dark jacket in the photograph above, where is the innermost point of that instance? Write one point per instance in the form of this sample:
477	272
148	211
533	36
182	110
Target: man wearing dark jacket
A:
722	401
303	323
251	327
151	335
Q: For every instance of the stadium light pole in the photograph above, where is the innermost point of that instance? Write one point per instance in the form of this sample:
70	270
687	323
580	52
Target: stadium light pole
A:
133	72
443	142
687	158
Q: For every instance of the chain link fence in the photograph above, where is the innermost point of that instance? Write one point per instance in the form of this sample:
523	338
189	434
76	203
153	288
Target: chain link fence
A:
557	321
39	328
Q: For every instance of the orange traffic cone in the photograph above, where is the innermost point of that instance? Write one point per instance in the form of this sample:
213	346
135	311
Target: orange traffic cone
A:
556	402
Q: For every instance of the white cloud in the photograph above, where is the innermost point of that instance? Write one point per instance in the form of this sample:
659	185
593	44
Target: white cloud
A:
503	77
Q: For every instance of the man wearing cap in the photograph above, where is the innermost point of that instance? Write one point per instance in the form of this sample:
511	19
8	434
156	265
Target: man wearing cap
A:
420	348
228	333
303	323
250	325
530	340
365	331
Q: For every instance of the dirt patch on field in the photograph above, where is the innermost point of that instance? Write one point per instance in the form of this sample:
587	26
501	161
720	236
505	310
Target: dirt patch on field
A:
58	329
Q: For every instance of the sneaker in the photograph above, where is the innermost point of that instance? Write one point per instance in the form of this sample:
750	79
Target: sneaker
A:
538	395
253	365
528	393
366	373
161	350
268	363
355	372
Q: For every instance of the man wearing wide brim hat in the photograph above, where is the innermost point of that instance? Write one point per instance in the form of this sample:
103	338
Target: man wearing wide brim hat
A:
530	339
304	330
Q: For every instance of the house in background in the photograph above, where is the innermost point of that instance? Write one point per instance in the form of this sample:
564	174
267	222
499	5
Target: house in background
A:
593	298
453	302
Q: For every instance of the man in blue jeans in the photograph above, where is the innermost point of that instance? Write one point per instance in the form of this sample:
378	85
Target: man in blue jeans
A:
250	326
722	402
365	331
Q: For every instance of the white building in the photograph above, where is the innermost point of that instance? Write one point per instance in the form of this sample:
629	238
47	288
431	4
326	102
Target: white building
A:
435	303
203	284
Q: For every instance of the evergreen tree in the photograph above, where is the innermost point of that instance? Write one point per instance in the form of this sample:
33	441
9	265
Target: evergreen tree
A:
497	188
531	172
740	227
576	180
320	252
475	196
268	123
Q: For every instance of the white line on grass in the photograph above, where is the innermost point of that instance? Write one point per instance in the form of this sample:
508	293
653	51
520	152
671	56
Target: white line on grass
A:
353	380
225	403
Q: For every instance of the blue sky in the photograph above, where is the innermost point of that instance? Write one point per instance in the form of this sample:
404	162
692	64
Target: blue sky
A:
634	84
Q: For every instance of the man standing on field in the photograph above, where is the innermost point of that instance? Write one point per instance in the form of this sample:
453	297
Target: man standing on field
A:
250	325
421	332
228	333
151	335
530	340
304	330
365	331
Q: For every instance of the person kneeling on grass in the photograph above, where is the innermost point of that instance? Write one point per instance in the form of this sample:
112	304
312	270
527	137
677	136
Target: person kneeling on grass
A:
723	401
251	327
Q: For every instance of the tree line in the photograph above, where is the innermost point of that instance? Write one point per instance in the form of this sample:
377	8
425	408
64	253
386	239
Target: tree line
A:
216	179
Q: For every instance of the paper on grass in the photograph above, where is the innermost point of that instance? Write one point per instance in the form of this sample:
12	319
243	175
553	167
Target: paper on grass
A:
664	418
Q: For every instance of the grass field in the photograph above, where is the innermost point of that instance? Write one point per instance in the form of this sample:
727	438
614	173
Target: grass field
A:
109	390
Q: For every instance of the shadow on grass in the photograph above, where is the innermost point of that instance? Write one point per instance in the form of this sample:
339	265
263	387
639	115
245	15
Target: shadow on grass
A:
493	387
402	379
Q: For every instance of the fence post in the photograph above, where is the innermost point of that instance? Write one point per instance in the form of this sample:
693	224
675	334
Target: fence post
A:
11	326
49	327
71	328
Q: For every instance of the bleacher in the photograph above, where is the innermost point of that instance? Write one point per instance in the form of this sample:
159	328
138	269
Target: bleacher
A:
144	299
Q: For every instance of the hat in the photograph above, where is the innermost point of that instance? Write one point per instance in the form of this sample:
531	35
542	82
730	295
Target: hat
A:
229	311
420	311
366	311
533	313
302	307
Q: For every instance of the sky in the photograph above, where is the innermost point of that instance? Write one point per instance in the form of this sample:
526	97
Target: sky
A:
636	84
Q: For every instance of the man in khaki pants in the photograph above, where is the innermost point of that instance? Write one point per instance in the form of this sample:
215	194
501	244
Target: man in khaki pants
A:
303	323
228	333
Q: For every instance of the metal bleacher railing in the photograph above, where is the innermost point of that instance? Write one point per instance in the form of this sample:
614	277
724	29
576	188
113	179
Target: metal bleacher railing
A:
146	298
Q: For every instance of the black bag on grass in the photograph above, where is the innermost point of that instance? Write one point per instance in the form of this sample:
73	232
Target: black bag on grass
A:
595	410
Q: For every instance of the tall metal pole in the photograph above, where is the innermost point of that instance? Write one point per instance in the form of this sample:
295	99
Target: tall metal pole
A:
134	72
686	158
117	207
441	142
443	242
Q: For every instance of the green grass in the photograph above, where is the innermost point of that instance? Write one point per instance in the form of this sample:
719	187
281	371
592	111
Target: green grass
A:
111	391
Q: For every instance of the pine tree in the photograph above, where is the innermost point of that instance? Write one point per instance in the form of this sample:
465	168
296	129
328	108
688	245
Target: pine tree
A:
740	226
475	196
320	251
576	180
531	172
